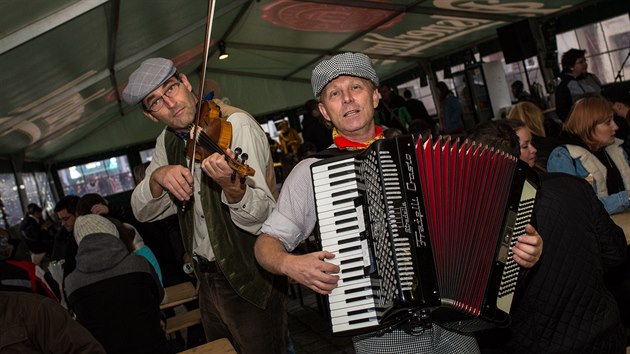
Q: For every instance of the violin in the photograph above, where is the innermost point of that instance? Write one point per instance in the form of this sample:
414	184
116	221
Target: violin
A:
214	134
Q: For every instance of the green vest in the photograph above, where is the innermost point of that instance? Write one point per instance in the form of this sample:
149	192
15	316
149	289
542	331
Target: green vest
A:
233	247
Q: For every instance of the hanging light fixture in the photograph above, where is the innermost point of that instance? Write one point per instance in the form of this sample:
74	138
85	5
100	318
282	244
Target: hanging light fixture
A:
222	53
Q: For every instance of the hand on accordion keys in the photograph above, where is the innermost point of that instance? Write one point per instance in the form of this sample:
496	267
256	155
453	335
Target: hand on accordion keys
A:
529	247
312	271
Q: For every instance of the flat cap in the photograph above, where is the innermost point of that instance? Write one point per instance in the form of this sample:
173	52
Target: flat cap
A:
350	64
150	75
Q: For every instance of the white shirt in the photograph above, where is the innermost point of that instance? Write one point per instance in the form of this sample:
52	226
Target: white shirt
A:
248	214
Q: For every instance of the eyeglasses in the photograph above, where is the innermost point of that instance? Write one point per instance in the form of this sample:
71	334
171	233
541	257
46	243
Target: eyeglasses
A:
169	92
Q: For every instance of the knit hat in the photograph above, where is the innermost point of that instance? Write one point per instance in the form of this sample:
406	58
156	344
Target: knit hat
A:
93	224
151	74
350	64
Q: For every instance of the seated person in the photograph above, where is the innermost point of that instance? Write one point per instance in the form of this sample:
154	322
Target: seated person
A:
563	304
38	234
290	139
534	119
114	294
32	323
26	276
576	82
95	204
65	247
588	149
527	150
519	93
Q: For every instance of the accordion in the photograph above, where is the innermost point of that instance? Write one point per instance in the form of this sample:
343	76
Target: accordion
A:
422	228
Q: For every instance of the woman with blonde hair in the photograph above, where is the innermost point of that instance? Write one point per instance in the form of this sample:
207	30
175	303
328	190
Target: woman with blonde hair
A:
531	115
590	150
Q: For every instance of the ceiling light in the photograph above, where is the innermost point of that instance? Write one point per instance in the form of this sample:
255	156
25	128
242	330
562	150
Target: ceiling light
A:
222	53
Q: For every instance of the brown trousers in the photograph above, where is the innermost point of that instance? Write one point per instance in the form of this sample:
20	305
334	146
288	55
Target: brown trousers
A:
225	314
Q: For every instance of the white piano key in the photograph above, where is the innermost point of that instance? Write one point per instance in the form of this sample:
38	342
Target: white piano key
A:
364	291
355	303
330	207
348	327
326	189
344	316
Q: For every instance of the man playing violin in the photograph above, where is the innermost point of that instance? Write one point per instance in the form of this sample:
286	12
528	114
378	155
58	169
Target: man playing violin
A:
238	300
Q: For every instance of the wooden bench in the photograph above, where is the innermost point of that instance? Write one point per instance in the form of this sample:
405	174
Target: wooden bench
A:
219	346
181	321
178	294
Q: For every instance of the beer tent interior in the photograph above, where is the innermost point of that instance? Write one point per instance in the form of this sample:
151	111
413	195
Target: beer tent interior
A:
65	62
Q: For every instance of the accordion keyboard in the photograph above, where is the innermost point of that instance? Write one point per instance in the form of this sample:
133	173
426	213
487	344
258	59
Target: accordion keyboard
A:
352	303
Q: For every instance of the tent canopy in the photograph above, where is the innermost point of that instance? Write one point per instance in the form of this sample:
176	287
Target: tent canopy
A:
64	62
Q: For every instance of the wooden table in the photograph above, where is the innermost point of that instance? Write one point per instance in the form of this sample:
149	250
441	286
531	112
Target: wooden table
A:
178	294
623	220
182	321
219	346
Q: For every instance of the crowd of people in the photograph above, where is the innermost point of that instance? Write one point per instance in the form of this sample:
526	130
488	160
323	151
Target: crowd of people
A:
239	234
90	272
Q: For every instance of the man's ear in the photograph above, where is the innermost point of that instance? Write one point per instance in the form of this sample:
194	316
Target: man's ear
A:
185	81
150	116
322	110
375	99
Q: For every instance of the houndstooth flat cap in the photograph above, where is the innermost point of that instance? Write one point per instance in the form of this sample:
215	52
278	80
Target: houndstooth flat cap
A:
351	64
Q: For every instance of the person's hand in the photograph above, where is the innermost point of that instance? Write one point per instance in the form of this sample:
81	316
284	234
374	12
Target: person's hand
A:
99	209
215	167
529	247
311	271
175	179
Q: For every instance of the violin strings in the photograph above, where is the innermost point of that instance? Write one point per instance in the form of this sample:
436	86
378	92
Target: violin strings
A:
206	142
209	144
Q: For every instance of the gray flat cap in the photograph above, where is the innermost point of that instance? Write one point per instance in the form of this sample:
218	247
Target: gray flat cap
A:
351	64
150	75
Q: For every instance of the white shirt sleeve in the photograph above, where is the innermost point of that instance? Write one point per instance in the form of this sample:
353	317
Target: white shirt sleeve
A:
258	202
294	218
144	206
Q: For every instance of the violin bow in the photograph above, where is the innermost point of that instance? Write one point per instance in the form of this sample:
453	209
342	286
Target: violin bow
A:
204	65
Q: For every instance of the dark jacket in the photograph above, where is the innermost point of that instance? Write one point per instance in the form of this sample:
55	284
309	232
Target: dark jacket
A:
65	248
37	239
116	296
563	304
393	114
418	111
571	89
25	276
314	131
31	323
